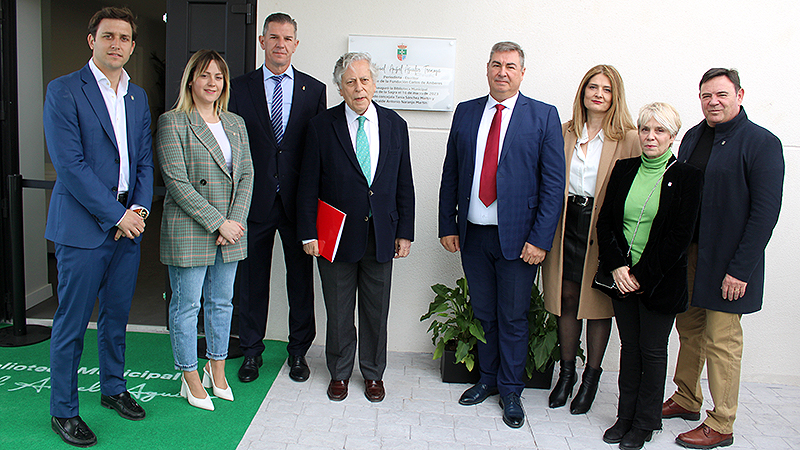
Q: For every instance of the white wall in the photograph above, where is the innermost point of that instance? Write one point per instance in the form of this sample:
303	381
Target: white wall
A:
31	146
661	50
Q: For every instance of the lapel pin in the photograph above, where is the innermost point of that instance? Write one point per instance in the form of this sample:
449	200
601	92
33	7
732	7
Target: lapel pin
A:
304	88
669	184
131	96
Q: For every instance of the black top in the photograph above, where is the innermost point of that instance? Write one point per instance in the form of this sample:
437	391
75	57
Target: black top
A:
699	159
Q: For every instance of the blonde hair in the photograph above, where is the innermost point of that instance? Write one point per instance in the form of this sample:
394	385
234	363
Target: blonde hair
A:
664	113
197	64
618	120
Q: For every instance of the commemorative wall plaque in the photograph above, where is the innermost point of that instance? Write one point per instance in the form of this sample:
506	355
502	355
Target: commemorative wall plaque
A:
415	73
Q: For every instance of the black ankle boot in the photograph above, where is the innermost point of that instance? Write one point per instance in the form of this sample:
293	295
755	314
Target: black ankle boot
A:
585	396
564	385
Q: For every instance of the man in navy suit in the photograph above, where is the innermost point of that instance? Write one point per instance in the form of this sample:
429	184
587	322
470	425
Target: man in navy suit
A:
357	160
276	102
97	126
499	204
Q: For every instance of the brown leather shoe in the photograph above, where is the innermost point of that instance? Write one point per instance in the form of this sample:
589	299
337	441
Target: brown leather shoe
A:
670	409
704	437
337	390
374	390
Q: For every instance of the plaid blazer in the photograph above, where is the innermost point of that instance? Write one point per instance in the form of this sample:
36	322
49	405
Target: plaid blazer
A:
201	193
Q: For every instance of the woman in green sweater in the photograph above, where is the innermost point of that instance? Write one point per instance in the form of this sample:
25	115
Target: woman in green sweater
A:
643	231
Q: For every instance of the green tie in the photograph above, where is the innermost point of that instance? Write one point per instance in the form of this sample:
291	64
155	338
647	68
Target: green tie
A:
362	150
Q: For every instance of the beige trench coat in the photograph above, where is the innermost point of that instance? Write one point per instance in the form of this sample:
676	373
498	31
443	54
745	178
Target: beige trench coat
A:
593	304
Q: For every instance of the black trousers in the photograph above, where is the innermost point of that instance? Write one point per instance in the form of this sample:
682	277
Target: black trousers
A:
643	361
253	277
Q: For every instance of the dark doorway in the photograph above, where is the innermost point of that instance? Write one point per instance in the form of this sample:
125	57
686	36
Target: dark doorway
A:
227	26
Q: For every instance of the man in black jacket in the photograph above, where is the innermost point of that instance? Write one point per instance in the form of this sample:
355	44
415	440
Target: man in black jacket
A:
743	165
276	102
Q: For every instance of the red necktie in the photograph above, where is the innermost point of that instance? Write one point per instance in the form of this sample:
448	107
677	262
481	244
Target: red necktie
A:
488	190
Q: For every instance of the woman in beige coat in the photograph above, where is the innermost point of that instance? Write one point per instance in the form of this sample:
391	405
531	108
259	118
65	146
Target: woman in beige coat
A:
205	161
601	132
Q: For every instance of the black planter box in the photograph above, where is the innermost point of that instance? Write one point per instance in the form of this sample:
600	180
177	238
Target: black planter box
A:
540	380
458	373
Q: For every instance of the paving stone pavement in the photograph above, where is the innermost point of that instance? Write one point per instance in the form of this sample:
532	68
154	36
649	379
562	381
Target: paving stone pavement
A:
421	412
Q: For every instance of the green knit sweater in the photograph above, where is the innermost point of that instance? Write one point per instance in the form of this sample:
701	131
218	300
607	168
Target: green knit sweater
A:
648	176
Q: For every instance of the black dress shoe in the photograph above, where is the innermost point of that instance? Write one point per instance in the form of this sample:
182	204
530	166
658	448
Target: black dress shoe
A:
249	370
477	394
124	405
513	414
73	431
299	368
614	434
635	438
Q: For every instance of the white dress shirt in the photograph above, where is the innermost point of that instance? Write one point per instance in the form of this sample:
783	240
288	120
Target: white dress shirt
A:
479	213
222	140
115	104
583	168
287	83
371	129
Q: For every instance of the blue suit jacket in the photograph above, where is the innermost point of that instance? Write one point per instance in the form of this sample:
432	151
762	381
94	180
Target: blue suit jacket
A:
331	172
273	163
530	175
82	146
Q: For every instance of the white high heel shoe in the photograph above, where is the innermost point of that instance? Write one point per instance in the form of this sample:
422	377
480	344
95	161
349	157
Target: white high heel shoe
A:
208	382
202	403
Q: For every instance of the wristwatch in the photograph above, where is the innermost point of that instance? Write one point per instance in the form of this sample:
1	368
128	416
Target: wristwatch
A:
141	212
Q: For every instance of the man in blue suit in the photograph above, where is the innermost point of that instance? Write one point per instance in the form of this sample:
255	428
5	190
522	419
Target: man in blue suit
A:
499	204
276	102
357	160
97	126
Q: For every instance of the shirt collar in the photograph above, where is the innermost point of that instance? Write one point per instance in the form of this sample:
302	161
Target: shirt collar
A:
103	80
585	135
268	73
371	113
509	103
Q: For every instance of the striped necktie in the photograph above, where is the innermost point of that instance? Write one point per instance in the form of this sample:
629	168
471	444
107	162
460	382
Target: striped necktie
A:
362	150
277	108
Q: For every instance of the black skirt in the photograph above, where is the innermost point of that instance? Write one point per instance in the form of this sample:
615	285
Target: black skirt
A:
576	234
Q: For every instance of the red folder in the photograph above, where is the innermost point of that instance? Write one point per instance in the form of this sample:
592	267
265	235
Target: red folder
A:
330	223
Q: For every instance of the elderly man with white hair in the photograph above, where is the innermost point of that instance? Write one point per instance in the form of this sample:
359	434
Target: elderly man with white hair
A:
357	160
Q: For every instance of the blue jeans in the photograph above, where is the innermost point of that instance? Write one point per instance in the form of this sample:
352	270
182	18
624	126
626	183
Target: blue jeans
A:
215	285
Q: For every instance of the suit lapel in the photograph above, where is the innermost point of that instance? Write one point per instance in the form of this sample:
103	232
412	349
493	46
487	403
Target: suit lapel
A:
385	127
206	137
342	132
235	141
513	125
297	98
569	150
95	97
607	155
472	126
259	98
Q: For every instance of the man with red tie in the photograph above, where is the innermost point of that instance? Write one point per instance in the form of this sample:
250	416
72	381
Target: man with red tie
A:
513	165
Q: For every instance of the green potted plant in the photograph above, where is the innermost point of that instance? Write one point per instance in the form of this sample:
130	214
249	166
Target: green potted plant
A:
454	331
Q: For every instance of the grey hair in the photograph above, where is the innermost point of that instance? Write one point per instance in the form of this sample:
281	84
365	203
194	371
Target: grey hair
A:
279	17
508	46
346	60
664	113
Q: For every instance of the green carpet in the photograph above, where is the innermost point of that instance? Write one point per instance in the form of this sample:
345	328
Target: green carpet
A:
170	423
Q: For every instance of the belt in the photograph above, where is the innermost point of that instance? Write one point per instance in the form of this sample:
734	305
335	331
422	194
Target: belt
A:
580	200
122	197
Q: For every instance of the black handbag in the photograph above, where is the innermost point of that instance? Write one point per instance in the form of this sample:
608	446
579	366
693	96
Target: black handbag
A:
604	282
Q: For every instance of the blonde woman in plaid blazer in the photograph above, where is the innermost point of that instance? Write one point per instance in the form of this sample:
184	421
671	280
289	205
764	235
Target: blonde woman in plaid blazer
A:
205	161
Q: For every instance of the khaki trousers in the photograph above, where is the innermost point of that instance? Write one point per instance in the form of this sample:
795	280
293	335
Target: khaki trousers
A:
711	338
